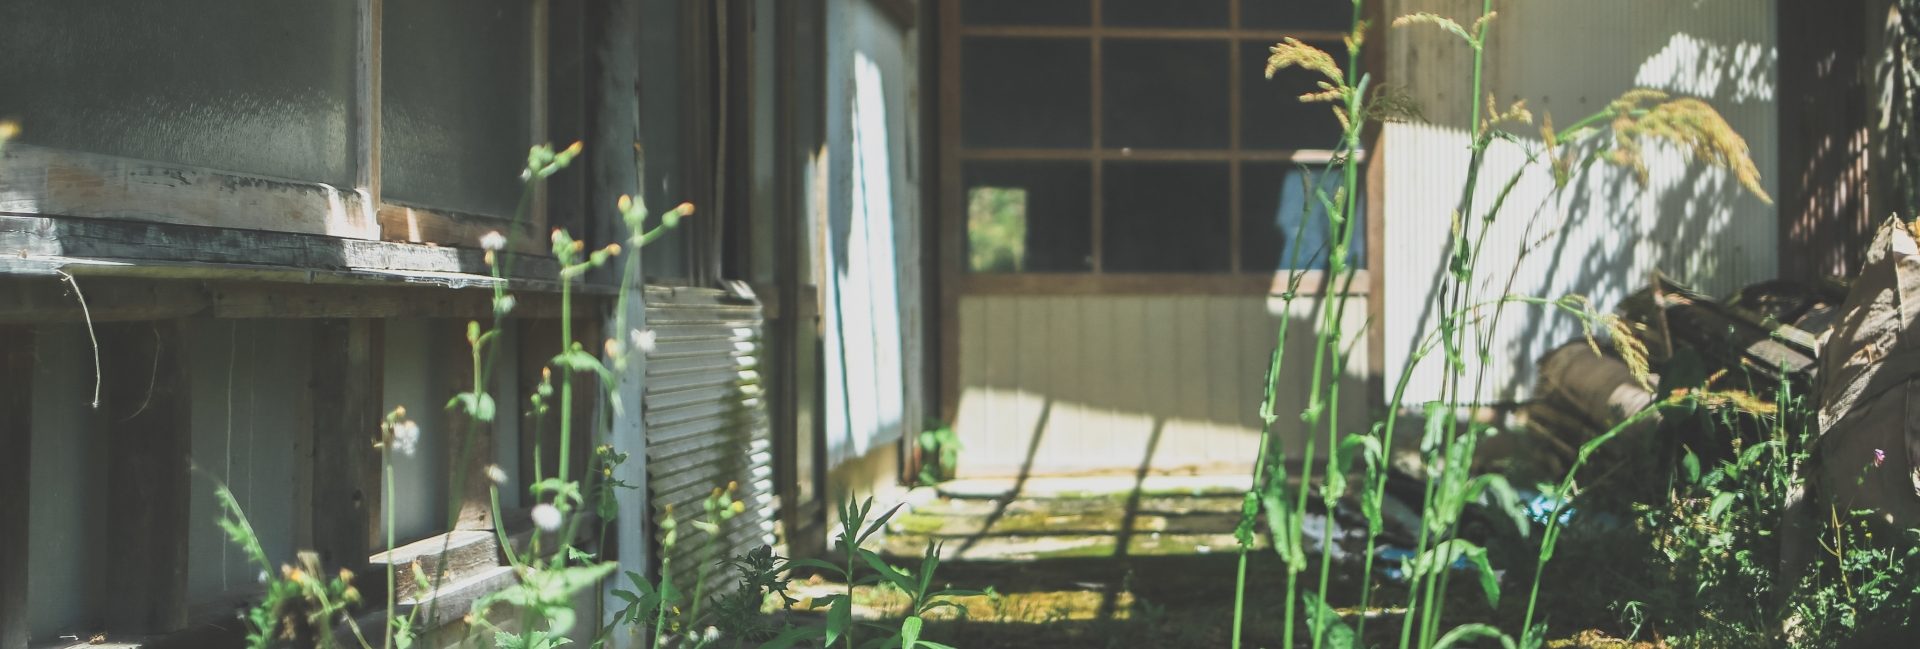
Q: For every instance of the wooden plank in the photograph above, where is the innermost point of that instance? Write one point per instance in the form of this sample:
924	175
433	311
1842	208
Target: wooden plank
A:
1146	284
470	445
1099	379
38	180
31	300
1002	380
1301	156
1060	331
1035	404
949	216
346	390
146	399
16	436
1182	33
138	244
1222	343
417	224
366	97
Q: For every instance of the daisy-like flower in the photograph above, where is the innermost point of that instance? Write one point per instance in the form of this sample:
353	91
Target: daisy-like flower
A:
493	241
496	474
644	340
547	517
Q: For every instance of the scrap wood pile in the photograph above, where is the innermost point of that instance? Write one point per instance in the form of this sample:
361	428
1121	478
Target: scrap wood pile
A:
1844	345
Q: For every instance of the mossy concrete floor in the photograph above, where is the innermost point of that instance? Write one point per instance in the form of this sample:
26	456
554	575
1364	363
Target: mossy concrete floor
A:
1106	562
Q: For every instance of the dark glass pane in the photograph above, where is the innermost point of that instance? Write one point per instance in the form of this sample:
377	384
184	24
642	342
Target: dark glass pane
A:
454	130
1276	197
1334	15
1029	217
1025	12
1162	13
1272	115
1025	93
1164	94
234	85
1165	217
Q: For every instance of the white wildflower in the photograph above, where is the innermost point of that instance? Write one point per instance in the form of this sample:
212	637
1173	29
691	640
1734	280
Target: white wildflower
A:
547	517
711	635
493	241
644	340
496	474
406	436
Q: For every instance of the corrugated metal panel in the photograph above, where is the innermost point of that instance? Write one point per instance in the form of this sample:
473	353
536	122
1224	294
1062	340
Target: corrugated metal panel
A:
1059	384
707	424
1604	234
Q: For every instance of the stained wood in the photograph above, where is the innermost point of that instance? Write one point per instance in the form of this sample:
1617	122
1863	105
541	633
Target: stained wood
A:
346	388
415	224
29	300
16	436
146	399
44	181
1313	283
470	446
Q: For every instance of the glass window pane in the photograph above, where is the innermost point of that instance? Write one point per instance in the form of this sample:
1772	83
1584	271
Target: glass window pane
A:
1285	226
454	125
234	85
1164	94
1161	13
1334	15
1029	217
1026	12
1272	115
1026	93
1165	217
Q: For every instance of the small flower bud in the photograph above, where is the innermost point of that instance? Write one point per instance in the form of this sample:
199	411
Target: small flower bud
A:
685	209
625	203
493	241
496	474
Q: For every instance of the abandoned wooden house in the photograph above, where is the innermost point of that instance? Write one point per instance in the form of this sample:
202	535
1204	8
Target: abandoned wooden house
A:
234	234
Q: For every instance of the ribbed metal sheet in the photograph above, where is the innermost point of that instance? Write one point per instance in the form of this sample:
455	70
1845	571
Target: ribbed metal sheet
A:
1603	235
707	424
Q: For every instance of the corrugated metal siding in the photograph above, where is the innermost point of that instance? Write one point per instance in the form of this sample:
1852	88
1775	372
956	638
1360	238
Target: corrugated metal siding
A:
706	423
1059	384
1604	234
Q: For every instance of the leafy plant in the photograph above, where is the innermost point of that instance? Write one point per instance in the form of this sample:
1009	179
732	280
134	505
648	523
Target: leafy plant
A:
942	444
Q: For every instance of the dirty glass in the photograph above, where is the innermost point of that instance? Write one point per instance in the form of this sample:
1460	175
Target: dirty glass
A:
1025	93
1165	217
1275	198
1030	217
454	108
1026	12
234	85
1164	94
1295	15
1160	13
1272	115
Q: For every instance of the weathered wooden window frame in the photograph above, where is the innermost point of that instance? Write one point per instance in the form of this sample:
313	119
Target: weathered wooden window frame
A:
1238	280
59	183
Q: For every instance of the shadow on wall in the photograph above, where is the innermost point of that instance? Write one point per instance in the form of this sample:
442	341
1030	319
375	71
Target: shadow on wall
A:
1085	383
1604	234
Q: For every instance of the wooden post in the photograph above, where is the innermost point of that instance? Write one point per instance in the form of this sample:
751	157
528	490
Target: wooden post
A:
345	388
470	444
146	397
16	438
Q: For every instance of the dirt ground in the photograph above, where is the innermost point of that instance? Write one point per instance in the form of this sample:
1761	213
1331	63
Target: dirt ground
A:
1112	563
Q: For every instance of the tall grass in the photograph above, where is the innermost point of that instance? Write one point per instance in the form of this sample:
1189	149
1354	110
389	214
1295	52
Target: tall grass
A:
1464	331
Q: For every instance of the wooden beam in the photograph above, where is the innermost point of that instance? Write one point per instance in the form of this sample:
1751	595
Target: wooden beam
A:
54	182
34	300
1314	283
470	446
16	437
418	224
146	397
345	388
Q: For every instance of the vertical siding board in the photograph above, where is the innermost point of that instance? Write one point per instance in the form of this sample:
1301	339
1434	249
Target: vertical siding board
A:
1603	236
970	418
1223	380
1030	368
1098	379
1003	383
1132	379
1064	332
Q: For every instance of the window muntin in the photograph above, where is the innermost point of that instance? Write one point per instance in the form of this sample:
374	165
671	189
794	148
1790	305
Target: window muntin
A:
1167	110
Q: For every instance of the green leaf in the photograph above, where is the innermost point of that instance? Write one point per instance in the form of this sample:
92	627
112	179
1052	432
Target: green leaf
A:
839	617
910	631
1334	633
1690	467
793	636
887	572
877	524
1435	431
1286	532
1443	556
1467	632
479	406
817	565
1507	500
1721	501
